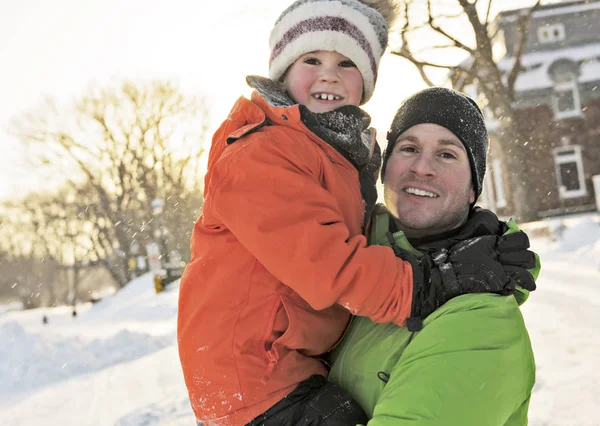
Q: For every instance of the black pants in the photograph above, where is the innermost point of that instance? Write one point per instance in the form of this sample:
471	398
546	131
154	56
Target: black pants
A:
315	402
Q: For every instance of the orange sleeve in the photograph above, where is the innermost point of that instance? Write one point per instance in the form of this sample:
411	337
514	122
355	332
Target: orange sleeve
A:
268	194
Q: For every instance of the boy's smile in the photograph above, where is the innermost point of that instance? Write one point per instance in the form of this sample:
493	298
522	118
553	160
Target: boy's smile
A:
327	96
323	81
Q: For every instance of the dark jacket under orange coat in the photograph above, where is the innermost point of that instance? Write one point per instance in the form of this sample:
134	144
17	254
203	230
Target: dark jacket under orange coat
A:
278	265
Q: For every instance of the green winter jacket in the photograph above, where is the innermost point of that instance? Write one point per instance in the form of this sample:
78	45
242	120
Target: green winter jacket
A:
471	364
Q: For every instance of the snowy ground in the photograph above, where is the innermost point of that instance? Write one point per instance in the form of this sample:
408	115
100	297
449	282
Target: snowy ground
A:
116	363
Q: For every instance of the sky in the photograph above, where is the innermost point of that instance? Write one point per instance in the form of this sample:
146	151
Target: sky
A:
116	363
58	49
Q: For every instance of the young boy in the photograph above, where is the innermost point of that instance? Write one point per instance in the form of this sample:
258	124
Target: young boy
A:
279	262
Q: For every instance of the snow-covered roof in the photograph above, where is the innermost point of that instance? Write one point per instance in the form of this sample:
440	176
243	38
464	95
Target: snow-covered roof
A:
576	8
550	10
536	64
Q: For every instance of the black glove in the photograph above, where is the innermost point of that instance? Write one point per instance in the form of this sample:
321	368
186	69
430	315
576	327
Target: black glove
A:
471	266
516	259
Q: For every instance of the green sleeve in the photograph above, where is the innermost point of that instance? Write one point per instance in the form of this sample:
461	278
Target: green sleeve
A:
519	417
467	367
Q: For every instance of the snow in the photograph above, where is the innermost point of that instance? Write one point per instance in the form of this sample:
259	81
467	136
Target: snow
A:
560	11
116	363
536	64
12	306
580	8
589	71
563	319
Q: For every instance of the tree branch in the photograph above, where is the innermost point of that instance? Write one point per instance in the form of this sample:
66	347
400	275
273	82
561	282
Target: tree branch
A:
434	48
487	13
421	66
523	24
439	30
405	52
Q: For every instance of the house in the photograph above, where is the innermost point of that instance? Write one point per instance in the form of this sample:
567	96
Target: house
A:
557	96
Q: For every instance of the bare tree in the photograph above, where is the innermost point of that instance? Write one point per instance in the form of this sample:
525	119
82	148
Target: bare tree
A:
117	150
28	269
49	247
462	43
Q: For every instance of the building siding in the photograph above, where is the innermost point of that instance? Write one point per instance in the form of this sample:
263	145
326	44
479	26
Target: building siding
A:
546	134
580	28
536	118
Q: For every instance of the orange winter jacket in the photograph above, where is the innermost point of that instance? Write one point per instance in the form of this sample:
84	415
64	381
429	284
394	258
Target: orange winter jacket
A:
278	265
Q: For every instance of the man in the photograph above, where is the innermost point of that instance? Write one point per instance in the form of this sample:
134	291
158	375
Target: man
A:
471	361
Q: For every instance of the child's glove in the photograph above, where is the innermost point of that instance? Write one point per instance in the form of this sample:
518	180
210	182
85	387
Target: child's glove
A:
485	264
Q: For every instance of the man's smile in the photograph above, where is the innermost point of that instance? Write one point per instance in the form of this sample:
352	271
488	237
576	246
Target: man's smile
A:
420	192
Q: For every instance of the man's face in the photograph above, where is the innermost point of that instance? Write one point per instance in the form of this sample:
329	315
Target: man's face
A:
323	81
427	184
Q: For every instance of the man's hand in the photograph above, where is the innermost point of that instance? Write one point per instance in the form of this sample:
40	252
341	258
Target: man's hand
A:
484	264
516	259
471	266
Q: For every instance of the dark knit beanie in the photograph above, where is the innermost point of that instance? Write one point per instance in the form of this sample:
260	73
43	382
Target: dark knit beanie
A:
452	110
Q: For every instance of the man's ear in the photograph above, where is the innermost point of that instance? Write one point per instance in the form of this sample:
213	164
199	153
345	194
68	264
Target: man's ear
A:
472	195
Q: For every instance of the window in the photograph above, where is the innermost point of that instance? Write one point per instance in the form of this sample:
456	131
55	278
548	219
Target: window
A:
551	33
493	195
499	183
565	100
486	200
471	91
569	172
491	122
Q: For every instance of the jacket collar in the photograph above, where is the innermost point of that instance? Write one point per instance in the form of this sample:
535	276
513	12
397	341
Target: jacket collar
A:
270	91
346	128
480	222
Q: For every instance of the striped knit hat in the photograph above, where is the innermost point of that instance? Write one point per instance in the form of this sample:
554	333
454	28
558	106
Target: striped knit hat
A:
353	28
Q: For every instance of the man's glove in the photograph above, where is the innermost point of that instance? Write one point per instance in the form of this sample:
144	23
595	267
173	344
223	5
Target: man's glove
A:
516	259
484	264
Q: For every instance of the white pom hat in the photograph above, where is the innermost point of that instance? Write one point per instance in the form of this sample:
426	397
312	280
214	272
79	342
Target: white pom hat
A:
349	27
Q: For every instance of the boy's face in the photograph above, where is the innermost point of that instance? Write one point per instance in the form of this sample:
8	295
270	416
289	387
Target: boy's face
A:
428	186
323	81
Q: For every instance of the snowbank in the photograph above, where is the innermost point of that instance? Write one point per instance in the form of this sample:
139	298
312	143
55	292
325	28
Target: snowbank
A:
116	363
